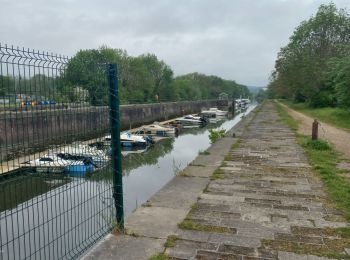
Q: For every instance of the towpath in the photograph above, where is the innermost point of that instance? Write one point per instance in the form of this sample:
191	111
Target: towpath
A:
338	137
263	203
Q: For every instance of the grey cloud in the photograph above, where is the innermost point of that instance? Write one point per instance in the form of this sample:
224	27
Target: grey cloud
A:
234	39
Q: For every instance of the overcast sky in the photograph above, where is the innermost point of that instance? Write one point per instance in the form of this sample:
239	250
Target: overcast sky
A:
234	39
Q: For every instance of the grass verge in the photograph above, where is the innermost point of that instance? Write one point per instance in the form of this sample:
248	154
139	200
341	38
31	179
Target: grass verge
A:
323	158
335	116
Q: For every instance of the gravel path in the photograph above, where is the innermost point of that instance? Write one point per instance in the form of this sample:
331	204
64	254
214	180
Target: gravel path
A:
338	137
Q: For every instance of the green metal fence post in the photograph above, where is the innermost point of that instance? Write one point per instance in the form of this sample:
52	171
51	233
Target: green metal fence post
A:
115	143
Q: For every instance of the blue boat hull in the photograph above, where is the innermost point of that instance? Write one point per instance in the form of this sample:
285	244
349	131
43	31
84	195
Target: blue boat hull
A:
133	144
79	170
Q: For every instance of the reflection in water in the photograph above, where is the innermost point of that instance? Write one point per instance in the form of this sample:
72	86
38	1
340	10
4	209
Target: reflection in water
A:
57	207
150	157
24	187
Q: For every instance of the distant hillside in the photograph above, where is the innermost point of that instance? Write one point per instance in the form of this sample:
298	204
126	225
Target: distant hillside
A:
255	89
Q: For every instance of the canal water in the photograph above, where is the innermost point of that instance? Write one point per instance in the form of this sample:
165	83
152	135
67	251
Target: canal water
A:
58	218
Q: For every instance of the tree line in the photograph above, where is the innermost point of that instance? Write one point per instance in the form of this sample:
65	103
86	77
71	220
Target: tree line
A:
142	79
315	65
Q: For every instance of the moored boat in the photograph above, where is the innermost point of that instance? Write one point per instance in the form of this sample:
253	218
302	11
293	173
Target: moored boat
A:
158	129
98	157
131	140
213	112
190	121
61	163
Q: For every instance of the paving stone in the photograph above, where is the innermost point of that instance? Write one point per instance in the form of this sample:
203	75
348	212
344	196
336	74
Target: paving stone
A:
299	238
155	221
185	249
239	250
198	171
179	193
225	198
125	248
198	236
292	256
237	240
211	255
347	250
263	201
291	207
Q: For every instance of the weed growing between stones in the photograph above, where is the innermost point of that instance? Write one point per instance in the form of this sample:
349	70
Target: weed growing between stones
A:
236	144
215	135
323	158
190	225
217	174
170	242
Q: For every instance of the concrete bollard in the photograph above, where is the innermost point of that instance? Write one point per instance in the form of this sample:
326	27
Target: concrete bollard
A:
315	130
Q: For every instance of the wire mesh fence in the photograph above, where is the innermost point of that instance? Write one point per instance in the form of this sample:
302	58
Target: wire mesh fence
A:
56	181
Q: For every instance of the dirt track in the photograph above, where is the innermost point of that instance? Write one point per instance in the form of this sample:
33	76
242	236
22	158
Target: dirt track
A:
339	138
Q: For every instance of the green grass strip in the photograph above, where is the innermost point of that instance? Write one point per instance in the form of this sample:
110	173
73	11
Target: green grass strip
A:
323	158
338	117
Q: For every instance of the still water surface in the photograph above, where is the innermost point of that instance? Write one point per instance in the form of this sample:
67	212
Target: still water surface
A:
46	218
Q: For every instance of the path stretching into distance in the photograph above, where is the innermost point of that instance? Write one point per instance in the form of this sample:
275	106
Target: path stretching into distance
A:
338	137
264	204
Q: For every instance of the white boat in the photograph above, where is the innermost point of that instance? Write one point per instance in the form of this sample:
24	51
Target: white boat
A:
127	139
98	157
58	163
158	129
242	103
213	112
218	112
190	121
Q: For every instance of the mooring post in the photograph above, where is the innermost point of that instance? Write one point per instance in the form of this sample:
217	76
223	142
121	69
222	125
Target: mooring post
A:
314	130
114	118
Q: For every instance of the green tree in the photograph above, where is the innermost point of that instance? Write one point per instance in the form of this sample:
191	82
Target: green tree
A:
338	78
301	66
7	85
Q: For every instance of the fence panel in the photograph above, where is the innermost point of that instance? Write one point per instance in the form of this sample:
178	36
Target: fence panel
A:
56	192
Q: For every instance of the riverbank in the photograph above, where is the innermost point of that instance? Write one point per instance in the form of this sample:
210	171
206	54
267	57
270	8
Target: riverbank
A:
336	136
149	226
337	117
264	202
31	131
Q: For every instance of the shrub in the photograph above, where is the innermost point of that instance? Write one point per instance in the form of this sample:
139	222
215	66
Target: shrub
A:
215	135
